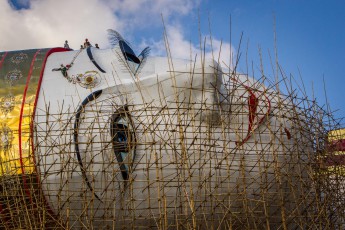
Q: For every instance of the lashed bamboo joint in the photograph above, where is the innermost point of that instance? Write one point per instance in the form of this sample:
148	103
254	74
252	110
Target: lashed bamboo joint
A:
160	143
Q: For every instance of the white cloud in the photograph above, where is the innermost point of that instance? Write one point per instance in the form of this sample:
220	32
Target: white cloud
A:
48	23
180	47
143	13
223	52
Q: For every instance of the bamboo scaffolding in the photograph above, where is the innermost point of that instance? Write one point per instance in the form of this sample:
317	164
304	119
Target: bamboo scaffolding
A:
188	162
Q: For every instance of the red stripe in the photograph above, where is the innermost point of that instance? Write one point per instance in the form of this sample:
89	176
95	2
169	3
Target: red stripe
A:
334	160
53	50
3	210
20	125
2	59
252	107
253	103
338	145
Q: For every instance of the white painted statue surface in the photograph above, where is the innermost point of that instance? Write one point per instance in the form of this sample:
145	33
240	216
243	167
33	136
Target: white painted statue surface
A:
135	145
134	141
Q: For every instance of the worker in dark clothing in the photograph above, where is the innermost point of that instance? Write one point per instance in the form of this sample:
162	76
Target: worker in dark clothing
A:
66	46
63	70
87	43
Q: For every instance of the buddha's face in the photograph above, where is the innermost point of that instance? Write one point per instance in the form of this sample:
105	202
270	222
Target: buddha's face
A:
124	138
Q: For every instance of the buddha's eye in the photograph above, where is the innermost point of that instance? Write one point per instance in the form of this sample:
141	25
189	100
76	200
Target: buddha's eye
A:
123	141
121	137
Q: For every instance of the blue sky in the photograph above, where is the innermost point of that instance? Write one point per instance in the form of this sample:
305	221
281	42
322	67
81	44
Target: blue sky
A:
310	39
310	34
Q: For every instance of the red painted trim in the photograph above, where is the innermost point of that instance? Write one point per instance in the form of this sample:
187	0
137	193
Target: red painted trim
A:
334	160
53	50
338	145
253	103
20	125
2	59
287	132
3	210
